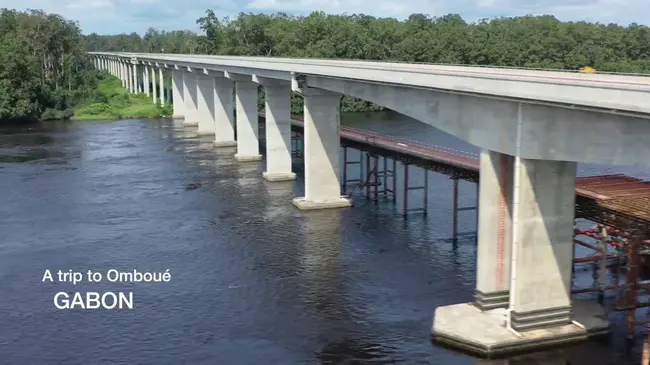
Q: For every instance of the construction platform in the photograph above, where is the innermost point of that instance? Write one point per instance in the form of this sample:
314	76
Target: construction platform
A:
466	327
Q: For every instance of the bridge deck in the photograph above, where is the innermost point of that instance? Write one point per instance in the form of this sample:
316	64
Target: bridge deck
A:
618	194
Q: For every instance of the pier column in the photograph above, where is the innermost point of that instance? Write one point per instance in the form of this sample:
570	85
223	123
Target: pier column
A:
321	151
542	246
154	88
190	98
248	148
278	129
134	77
145	85
177	95
494	230
205	105
161	85
122	76
224	109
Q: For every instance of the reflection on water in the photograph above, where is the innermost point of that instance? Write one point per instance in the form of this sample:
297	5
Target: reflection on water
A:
254	280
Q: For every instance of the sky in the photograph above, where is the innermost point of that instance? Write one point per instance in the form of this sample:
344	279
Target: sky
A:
126	16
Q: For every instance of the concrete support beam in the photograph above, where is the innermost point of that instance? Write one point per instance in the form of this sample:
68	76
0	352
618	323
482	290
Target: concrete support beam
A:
540	197
190	91
161	84
122	75
154	87
322	151
134	76
205	105
542	253
248	148
494	230
278	129
147	73
224	108
177	95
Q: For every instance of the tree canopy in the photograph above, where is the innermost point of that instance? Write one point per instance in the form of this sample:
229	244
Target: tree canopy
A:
527	41
44	72
43	68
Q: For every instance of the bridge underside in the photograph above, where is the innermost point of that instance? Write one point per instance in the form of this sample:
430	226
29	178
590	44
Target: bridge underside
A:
517	128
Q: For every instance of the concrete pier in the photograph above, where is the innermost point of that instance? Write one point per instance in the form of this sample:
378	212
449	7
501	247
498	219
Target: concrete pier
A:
154	87
205	105
146	75
542	246
278	129
224	107
539	197
248	148
161	86
177	95
134	78
190	91
322	151
494	231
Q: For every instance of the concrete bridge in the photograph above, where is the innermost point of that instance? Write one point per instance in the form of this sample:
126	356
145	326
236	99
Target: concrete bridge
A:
532	126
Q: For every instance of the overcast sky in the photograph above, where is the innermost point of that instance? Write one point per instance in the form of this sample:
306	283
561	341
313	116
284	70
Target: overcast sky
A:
125	16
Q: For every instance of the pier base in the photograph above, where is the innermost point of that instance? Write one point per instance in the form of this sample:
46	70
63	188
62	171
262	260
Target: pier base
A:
189	123
241	158
484	333
304	204
225	143
279	176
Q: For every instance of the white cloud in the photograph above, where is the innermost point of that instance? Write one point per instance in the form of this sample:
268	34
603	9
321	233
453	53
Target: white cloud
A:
116	16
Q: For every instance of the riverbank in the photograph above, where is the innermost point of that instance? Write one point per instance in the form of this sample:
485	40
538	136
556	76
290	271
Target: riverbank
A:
113	101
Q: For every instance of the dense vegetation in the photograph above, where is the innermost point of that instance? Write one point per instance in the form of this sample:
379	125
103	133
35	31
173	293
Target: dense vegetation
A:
42	64
112	101
43	69
529	41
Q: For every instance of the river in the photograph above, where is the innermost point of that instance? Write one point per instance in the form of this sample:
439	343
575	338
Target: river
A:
253	279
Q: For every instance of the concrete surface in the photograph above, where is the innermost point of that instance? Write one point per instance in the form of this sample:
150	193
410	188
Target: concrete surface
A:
190	98
161	87
494	230
321	149
278	129
248	158
303	204
177	95
224	112
247	120
466	327
205	105
542	246
278	176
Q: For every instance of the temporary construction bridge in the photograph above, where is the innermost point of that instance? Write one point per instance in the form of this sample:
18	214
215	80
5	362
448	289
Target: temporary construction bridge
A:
619	205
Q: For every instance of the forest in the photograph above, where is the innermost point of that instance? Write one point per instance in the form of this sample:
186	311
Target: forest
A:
44	72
